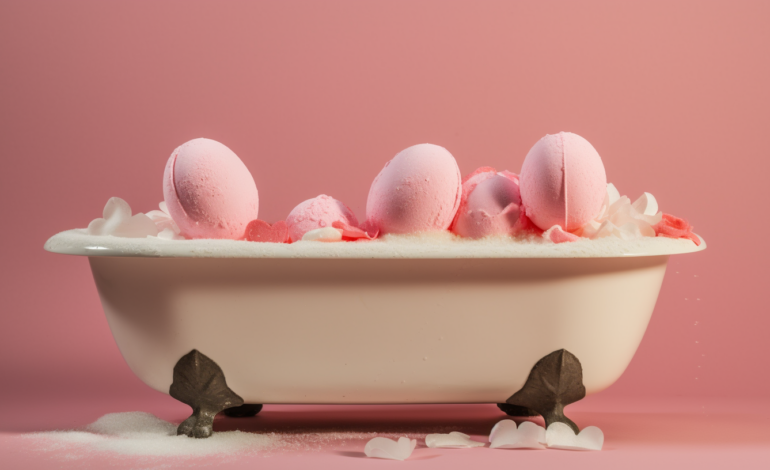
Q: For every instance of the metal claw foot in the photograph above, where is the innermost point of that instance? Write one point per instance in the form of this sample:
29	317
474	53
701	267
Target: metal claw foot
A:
200	383
515	410
244	411
554	382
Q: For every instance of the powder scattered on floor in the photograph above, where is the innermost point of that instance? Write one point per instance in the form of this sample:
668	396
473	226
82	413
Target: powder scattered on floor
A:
143	434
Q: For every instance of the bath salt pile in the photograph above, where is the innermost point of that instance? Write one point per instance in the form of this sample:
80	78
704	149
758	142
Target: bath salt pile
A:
561	195
143	434
140	434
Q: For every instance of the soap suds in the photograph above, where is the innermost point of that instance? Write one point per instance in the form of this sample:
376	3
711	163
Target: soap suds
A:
437	245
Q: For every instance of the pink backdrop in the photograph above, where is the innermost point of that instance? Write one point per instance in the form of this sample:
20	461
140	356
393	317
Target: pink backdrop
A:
316	96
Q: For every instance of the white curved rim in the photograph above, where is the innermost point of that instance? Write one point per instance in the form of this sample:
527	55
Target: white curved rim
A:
77	242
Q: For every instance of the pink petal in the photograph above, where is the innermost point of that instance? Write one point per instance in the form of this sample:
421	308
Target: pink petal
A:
558	235
350	232
260	231
674	227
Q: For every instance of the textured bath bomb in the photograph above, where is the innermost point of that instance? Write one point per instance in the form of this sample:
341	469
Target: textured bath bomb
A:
562	182
490	204
320	212
209	191
418	191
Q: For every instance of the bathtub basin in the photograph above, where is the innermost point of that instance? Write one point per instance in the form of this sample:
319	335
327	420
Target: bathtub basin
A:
314	323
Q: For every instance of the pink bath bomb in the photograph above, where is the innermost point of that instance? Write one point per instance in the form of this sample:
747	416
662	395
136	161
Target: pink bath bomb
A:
209	191
490	204
418	190
562	182
319	212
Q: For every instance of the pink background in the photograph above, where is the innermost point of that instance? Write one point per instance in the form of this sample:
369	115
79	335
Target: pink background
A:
316	96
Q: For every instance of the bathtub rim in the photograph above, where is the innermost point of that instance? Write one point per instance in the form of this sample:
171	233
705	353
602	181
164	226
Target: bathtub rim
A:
77	242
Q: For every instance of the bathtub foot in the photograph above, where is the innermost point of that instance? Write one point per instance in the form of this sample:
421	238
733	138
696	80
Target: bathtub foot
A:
244	411
515	410
200	383
554	382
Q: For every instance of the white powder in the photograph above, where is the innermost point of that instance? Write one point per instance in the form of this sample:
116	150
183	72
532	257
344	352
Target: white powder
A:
428	245
143	434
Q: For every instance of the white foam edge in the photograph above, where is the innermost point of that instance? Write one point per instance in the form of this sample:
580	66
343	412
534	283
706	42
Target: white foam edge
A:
437	245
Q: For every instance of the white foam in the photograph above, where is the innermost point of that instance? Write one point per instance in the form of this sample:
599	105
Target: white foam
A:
427	245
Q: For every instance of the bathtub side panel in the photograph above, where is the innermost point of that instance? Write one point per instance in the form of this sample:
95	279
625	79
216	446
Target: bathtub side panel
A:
377	331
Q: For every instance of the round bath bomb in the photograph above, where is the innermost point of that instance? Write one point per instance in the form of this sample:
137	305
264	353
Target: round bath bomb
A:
418	190
562	182
490	204
209	191
320	212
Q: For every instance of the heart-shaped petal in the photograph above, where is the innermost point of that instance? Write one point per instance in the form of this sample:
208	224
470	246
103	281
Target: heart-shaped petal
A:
528	435
261	231
118	221
453	440
384	448
115	212
561	436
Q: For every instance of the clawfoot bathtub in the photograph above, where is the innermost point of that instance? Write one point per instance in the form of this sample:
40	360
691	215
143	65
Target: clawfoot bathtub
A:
296	324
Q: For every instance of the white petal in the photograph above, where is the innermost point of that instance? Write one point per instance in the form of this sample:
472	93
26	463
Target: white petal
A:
612	193
646	204
169	234
116	207
561	436
156	216
591	229
164	207
501	427
505	435
96	227
138	226
384	448
116	212
456	440
607	229
325	234
591	438
629	231
652	219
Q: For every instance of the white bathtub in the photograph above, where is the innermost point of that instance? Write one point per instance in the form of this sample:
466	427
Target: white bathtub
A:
308	324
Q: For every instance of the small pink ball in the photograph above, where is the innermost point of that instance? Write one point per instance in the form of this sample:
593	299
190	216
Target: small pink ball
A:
319	212
562	182
490	204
